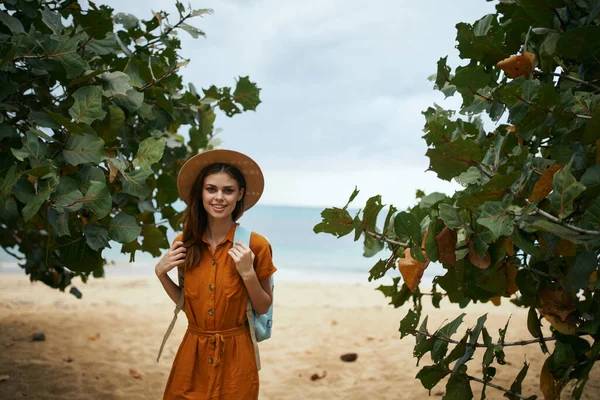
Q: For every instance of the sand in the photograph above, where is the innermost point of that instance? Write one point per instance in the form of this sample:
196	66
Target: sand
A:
314	325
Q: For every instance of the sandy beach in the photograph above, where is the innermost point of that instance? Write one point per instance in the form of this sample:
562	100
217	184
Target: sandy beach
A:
94	344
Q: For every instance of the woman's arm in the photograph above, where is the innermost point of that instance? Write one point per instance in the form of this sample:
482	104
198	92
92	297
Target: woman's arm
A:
260	293
173	258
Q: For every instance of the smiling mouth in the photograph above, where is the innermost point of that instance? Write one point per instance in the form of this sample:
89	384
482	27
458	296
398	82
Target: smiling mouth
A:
219	207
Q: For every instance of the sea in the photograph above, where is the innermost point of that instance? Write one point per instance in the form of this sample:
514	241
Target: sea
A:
299	254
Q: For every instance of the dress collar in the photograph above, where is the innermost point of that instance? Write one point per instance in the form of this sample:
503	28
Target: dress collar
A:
228	237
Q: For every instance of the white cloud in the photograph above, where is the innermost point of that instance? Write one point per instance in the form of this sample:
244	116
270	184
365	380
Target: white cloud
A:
343	86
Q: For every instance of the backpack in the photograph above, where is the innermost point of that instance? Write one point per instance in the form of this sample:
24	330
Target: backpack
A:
259	325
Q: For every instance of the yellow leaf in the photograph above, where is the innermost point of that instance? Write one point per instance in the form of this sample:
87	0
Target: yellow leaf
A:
550	388
544	185
411	270
518	65
565	247
446	241
477	260
510	272
497	300
510	248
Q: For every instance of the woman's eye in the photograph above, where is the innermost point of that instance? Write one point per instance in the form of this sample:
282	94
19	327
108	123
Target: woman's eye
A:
210	190
228	191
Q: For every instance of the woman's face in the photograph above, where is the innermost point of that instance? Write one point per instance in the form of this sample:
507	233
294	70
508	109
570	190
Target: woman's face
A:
220	193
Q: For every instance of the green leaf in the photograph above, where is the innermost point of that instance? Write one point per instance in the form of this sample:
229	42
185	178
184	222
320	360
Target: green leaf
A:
88	148
450	216
592	129
495	216
432	199
470	350
352	197
12	23
451	159
110	128
123	228
77	256
201	11
430	375
409	323
8	209
150	152
64	52
516	385
458	388
131	101
578	275
115	83
469	80
167	190
581	44
371	246
67	197
52	21
336	221
134	183
129	21
35	200
372	210
155	238
247	94
59	222
88	105
96	236
406	224
591	177
193	31
443	73
98	199
440	347
33	149
565	190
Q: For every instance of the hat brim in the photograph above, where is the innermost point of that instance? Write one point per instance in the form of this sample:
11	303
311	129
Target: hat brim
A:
253	175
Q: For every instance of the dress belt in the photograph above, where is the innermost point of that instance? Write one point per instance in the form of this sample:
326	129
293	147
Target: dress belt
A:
217	337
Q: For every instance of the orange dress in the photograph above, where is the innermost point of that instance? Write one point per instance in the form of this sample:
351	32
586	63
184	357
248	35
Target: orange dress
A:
216	357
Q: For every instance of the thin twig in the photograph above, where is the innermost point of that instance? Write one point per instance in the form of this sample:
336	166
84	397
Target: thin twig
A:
155	81
493	385
12	254
569	77
568	226
167	32
384	239
468	344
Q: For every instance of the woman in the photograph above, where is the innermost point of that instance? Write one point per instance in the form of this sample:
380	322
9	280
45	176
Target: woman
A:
216	358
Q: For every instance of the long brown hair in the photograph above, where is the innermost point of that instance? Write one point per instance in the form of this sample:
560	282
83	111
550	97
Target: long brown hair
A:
195	217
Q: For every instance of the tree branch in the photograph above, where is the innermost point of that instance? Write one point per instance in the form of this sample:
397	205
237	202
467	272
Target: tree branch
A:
155	81
468	344
384	239
568	226
167	32
493	385
12	254
569	77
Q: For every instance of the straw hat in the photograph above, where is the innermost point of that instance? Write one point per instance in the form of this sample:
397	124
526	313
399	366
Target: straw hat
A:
255	181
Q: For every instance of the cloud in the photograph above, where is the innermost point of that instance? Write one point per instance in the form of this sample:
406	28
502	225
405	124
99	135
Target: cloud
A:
343	86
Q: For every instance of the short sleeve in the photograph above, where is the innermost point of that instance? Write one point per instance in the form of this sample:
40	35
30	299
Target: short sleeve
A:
263	257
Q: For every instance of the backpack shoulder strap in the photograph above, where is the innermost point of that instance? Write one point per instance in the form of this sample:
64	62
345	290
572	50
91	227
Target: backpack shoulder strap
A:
178	307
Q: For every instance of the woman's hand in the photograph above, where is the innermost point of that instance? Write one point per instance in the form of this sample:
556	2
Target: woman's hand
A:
243	258
173	258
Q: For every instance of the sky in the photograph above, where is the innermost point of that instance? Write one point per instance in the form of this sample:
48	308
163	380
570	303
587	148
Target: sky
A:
343	84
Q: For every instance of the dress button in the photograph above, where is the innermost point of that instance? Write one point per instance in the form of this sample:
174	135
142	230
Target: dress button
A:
210	312
210	360
214	262
211	287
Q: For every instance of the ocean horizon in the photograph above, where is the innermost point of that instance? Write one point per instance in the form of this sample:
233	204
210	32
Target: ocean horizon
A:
299	254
